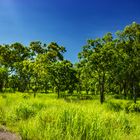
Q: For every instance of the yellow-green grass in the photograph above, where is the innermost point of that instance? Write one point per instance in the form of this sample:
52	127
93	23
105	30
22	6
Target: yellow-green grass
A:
48	118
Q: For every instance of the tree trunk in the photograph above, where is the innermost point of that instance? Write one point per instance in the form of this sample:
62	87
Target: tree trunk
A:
1	87
125	90
87	91
102	82
29	87
102	93
58	93
34	94
120	88
79	89
46	90
134	92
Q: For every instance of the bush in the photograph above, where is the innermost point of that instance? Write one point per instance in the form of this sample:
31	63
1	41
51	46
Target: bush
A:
4	96
117	96
26	96
2	116
38	106
24	111
132	107
86	97
115	105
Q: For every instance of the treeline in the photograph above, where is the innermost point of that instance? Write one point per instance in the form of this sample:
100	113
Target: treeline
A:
107	65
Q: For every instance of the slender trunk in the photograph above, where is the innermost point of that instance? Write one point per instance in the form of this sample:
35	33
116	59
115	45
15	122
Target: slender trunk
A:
14	89
58	92
95	88
34	94
102	82
125	93
131	90
77	90
125	90
120	89
134	92
87	91
1	87
29	86
102	93
80	88
46	90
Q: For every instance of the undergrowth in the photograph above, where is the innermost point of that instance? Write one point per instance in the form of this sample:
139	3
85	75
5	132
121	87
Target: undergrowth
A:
48	118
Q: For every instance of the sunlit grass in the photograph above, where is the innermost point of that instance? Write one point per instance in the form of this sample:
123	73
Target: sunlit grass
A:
46	117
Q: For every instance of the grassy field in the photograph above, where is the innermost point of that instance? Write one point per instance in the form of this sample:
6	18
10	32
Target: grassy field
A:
48	118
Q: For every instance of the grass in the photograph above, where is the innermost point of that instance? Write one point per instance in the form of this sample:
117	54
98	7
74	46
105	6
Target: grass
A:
48	118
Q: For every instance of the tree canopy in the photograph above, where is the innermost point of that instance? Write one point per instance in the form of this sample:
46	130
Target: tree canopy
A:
107	65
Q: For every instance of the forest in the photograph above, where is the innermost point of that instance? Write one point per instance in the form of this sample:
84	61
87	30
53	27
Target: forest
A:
45	96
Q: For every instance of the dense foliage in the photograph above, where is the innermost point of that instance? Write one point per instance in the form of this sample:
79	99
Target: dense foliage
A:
107	65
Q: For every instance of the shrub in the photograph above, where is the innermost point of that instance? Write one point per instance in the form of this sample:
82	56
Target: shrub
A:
24	111
4	96
117	96
38	106
2	116
132	107
26	96
115	105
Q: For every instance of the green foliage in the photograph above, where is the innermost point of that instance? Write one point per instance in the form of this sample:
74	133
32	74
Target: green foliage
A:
115	105
106	65
2	116
127	106
117	96
132	107
112	63
24	111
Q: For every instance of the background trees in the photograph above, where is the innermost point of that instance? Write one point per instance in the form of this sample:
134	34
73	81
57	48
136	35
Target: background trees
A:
62	75
115	62
106	65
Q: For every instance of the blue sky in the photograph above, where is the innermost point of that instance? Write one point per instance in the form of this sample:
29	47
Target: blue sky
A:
68	22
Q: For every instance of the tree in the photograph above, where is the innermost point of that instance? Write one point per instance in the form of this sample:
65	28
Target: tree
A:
129	43
62	76
3	77
98	55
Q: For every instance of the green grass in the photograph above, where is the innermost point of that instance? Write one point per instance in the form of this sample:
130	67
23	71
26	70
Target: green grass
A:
48	118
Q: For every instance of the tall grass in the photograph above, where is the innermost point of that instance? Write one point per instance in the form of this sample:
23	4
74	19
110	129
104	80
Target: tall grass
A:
47	118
